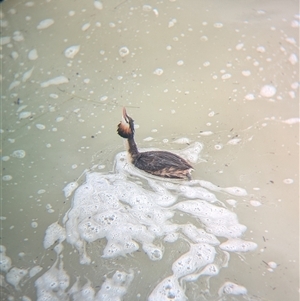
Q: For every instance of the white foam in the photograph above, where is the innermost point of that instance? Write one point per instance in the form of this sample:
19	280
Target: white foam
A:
55	81
4	40
123	51
98	4
14	276
27	75
198	256
158	71
18	153
35	270
32	55
45	24
71	51
5	261
293	59
14	84
70	187
52	284
230	288
54	233
168	289
268	91
238	245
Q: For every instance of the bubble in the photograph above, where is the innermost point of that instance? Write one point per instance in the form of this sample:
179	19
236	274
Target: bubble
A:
183	140
255	203
34	224
71	51
238	245
272	264
55	81
180	63
40	126
293	59
70	188
24	115
15	275
288	181
54	233
250	96
239	46
218	146
168	289
226	76
54	96
268	91
123	51
27	75
230	288
7	178
246	72
158	71
18	154
85	26
35	270
98	4
261	49
218	25
45	24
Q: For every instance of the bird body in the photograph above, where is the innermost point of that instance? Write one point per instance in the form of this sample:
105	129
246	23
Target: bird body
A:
159	163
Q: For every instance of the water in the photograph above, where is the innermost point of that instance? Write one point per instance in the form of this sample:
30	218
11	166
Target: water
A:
217	83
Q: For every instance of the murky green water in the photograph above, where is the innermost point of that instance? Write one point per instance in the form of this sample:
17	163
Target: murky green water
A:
215	81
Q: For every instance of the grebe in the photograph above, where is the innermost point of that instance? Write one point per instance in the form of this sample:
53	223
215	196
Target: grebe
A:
158	163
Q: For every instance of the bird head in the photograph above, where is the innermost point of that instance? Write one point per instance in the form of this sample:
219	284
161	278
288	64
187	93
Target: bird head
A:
126	126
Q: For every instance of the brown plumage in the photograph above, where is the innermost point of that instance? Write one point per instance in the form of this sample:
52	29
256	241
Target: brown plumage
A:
158	163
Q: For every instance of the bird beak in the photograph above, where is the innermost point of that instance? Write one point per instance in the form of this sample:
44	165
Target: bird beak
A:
125	116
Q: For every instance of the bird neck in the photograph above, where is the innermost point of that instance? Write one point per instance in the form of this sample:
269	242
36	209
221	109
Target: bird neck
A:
132	148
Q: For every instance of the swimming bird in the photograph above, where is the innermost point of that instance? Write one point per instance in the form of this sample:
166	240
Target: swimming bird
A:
158	163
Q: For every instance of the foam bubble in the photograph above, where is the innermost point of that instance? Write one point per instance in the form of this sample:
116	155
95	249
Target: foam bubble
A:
54	233
71	51
268	91
239	46
40	126
14	276
98	4
45	24
35	270
168	289
55	81
123	51
18	153
5	261
32	55
27	75
4	40
158	71
24	115
293	59
85	26
7	178
250	96
116	287
230	288
53	283
14	84
238	245
70	188
288	181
